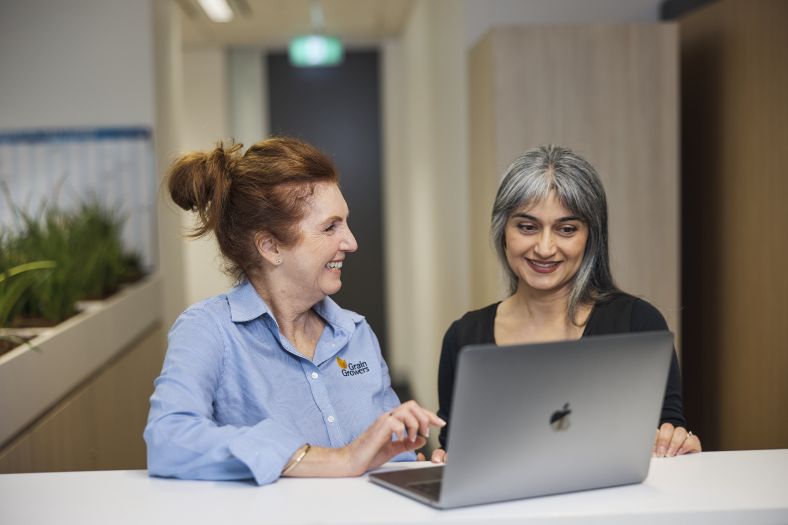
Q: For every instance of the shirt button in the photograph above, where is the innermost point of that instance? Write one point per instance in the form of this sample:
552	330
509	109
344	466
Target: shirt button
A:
314	375
330	419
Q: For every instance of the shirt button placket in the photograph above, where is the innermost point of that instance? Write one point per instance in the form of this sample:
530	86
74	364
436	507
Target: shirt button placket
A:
320	393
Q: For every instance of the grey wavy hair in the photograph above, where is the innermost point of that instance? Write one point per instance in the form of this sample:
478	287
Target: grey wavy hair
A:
529	180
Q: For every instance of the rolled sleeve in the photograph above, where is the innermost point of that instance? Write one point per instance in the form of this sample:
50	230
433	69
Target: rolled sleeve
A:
265	449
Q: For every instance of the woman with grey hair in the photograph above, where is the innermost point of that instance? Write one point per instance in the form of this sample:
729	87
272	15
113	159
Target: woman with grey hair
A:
549	228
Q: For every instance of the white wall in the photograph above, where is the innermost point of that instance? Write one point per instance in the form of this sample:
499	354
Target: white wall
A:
248	95
205	122
169	118
76	63
425	184
205	116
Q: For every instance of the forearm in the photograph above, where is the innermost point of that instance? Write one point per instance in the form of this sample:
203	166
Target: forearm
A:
672	405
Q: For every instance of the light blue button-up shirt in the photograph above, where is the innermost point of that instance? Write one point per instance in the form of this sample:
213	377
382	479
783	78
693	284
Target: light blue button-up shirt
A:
235	399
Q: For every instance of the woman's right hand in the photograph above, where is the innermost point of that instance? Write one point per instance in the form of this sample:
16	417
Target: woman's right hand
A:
409	422
438	456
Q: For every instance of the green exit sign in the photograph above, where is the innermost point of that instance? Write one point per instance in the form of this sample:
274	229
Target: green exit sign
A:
315	51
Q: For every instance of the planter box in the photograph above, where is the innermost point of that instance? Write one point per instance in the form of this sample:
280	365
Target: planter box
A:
35	376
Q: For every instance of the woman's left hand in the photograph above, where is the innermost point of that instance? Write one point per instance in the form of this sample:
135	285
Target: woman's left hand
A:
674	441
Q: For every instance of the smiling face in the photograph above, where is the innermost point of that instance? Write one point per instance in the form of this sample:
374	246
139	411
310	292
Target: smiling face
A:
544	246
313	266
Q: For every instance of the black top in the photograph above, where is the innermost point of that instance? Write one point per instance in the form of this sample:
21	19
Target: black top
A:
621	313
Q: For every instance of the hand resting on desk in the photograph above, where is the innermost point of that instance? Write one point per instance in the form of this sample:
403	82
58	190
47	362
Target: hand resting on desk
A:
674	441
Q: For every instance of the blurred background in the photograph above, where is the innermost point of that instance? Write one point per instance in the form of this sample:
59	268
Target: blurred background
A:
680	105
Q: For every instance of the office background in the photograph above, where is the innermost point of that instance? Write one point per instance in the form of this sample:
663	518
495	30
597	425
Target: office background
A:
685	118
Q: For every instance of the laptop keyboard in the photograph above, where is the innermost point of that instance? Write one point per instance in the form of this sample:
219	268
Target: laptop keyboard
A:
431	489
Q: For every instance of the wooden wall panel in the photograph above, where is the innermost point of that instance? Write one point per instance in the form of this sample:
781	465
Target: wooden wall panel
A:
734	66
99	425
608	92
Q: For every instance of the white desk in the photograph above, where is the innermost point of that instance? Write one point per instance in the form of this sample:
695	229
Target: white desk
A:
712	487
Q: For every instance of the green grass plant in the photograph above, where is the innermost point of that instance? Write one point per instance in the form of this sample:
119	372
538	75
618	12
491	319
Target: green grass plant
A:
85	250
13	284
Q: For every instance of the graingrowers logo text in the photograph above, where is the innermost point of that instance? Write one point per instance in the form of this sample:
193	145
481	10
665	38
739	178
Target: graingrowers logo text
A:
352	369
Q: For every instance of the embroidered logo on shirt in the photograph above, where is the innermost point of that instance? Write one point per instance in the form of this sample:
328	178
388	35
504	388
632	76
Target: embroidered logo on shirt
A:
352	369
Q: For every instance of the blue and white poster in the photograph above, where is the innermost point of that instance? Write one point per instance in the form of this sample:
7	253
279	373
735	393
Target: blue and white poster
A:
66	167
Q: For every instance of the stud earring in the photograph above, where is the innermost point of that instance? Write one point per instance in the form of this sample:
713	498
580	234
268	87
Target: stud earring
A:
278	261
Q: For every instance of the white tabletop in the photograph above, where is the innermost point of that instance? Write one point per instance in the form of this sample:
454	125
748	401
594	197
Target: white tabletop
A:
712	487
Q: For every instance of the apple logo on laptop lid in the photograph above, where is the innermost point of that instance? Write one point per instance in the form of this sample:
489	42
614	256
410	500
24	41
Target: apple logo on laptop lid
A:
559	420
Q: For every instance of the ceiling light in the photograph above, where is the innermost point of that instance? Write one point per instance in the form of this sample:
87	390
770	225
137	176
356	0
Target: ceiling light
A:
317	49
217	10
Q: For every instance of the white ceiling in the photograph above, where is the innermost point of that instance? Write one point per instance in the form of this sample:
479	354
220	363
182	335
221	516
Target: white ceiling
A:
275	22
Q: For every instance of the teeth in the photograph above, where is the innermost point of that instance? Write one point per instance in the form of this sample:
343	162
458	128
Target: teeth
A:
334	265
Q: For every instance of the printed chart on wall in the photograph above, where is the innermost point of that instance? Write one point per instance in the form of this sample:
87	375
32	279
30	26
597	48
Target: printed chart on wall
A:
66	167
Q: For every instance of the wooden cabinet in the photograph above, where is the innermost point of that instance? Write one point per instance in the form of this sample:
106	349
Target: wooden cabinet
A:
99	425
734	69
608	92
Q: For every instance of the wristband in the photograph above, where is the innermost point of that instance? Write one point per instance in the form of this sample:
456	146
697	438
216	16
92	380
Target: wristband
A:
297	460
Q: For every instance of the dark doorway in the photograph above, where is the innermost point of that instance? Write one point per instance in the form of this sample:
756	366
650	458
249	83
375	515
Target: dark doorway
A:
338	110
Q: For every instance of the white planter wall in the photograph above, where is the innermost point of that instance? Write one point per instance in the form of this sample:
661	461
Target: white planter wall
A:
35	376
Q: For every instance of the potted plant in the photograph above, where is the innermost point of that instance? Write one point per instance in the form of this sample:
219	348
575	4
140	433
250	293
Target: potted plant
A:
13	283
50	265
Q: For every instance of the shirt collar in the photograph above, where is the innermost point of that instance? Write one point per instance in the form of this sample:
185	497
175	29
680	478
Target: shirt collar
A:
337	316
246	304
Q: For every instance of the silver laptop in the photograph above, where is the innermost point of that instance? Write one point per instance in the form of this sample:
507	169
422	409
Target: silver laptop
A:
531	420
